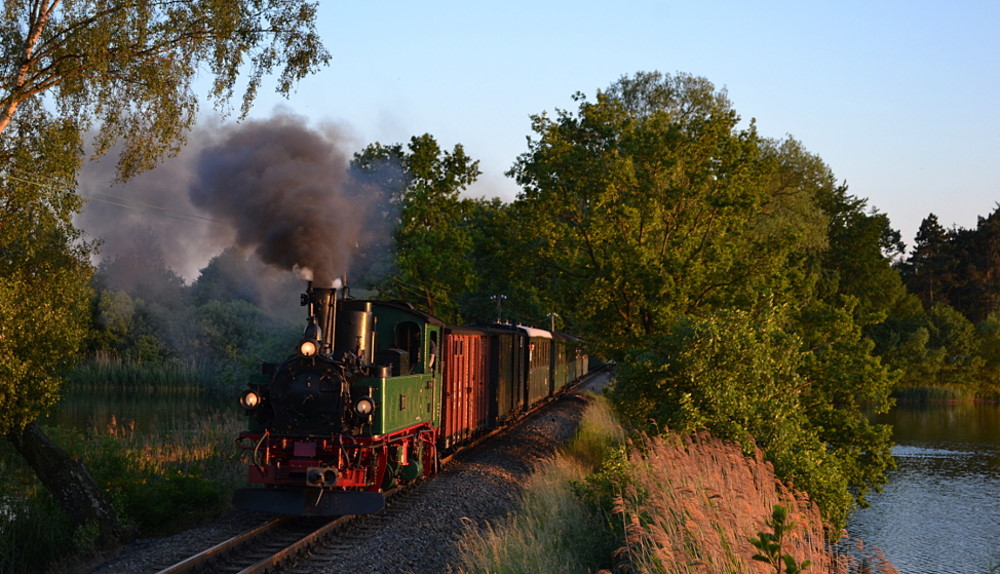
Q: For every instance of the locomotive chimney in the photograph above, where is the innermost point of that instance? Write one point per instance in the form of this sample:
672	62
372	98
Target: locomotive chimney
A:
322	303
346	326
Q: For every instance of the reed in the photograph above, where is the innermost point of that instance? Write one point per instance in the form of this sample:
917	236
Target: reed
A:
33	533
108	372
694	503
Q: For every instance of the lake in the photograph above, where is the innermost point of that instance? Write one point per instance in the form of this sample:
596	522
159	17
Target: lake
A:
940	512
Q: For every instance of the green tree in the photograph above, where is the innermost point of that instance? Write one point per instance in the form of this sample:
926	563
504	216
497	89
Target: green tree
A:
954	342
988	337
929	272
651	202
506	289
704	255
127	71
130	68
978	292
112	313
433	239
44	310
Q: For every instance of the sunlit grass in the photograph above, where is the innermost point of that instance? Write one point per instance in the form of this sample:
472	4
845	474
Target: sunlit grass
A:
693	503
554	530
160	481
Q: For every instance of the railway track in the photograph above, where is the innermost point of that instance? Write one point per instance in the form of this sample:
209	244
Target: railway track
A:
277	544
262	549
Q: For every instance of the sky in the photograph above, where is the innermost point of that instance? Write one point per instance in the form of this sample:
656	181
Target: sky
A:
899	98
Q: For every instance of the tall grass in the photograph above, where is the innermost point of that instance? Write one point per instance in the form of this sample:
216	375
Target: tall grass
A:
106	372
693	504
554	530
667	505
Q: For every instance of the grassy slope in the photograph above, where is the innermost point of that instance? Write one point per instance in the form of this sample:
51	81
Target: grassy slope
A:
676	505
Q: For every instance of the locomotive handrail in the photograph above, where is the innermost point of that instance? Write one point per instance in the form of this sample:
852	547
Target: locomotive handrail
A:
260	467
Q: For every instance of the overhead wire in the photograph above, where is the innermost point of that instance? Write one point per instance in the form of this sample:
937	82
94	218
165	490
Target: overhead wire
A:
125	203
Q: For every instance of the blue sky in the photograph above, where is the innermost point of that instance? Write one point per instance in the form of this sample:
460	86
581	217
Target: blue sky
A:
898	98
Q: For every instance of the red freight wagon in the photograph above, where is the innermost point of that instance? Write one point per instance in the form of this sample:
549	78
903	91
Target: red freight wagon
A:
466	389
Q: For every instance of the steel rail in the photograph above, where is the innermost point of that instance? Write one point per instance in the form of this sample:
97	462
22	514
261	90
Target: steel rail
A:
294	548
204	556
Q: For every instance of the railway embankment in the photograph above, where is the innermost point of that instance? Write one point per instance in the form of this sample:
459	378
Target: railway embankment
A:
666	504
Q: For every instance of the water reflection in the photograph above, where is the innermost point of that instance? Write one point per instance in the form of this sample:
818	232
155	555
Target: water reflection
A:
940	512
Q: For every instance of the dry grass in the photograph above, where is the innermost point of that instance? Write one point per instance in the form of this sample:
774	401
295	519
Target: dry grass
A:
681	505
693	504
553	532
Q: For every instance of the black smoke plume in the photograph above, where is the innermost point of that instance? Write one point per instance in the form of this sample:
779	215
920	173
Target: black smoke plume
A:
277	189
284	189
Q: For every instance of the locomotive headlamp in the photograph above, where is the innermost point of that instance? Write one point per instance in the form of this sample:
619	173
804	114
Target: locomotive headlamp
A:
364	406
250	400
307	348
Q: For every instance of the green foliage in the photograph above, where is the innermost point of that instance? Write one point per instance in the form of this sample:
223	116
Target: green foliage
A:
160	484
130	69
650	202
724	369
600	488
86	538
845	379
599	445
769	544
44	297
597	436
162	504
988	339
433	239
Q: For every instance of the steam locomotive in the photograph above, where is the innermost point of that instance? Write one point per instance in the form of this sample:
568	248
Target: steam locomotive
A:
376	393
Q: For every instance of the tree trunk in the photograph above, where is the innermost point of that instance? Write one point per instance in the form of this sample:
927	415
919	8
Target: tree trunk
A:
69	481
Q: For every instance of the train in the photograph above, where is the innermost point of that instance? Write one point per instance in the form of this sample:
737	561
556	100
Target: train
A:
377	392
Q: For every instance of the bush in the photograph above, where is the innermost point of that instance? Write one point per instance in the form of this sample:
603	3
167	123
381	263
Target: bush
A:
746	378
162	505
